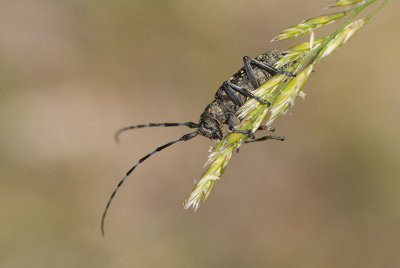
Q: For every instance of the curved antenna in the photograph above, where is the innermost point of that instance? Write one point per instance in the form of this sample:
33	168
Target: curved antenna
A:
183	138
187	124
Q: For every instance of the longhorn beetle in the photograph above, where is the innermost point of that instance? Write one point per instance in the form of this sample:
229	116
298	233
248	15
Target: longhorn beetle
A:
228	99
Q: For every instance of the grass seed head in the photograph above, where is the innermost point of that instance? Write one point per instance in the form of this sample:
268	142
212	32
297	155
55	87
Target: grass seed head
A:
280	90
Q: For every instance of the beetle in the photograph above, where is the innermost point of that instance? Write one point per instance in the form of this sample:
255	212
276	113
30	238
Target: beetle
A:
231	95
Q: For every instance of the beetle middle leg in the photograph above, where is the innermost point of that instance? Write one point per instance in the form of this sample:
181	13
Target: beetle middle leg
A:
250	73
231	126
228	86
264	138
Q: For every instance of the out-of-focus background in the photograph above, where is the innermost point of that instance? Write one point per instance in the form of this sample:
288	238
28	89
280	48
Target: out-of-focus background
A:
73	72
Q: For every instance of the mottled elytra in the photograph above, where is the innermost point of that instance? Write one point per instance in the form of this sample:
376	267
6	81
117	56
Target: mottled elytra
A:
228	99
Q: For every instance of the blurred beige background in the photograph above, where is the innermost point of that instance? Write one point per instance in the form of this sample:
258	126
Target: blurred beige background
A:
73	72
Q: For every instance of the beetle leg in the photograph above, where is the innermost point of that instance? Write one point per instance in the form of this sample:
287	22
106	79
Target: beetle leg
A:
231	125
231	93
245	92
269	137
250	73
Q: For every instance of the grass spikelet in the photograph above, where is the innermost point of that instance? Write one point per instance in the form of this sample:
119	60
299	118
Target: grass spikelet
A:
296	52
264	91
309	25
345	3
281	90
343	37
288	94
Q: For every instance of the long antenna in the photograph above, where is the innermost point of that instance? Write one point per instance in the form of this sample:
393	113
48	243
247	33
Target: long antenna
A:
187	124
183	138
